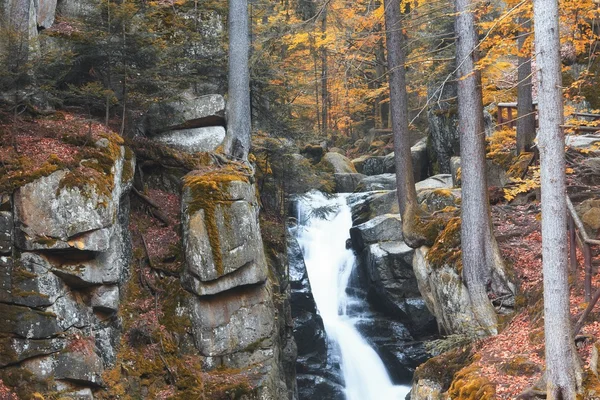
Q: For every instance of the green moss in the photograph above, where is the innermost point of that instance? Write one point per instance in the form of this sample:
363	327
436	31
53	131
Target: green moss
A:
207	191
446	250
128	168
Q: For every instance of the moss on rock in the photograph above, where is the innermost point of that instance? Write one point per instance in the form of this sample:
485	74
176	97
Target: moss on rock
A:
446	250
468	384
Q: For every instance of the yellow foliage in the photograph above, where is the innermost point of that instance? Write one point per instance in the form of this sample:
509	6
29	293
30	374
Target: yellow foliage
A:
523	185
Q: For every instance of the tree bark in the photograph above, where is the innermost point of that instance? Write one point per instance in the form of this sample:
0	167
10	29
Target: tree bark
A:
237	142
476	232
324	76
407	194
563	371
525	113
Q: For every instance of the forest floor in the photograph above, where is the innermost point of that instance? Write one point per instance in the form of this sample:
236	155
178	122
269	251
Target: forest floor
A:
513	361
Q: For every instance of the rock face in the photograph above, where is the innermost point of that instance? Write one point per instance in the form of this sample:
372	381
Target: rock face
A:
445	295
194	140
233	315
347	182
59	308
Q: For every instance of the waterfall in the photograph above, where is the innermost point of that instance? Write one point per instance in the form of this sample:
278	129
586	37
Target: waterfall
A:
324	224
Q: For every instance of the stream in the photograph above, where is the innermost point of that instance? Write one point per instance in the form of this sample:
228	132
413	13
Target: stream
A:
323	229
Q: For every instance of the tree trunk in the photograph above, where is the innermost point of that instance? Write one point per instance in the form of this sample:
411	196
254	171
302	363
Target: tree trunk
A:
526	116
324	77
237	142
407	194
563	372
476	231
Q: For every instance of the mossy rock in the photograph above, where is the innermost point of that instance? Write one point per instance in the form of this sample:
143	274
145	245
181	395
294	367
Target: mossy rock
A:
442	368
468	384
446	250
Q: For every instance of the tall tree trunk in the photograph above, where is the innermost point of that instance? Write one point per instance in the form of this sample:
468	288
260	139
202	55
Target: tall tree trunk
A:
526	117
476	231
381	106
407	194
237	142
563	372
324	76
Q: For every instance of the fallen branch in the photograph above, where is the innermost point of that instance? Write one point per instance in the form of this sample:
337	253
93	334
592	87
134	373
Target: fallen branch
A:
156	208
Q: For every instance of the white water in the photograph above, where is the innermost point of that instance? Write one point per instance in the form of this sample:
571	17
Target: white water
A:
329	265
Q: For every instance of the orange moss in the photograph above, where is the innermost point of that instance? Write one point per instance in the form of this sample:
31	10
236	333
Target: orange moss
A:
446	250
468	384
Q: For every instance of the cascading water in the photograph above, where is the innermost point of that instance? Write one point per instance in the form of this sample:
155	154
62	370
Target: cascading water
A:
324	225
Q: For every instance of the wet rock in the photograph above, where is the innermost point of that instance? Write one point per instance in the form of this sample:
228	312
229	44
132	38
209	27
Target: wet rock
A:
194	140
339	163
6	232
347	183
313	387
383	228
187	113
376	165
222	241
232	321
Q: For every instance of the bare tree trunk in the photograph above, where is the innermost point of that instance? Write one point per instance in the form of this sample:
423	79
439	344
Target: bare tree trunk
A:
526	117
563	371
476	231
324	77
407	194
382	108
237	142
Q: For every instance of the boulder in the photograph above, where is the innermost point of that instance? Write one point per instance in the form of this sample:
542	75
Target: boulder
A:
221	237
359	162
68	209
391	278
376	165
383	228
195	139
339	163
420	161
426	389
438	199
582	142
314	387
445	294
377	182
186	113
589	212
365	206
45	11
232	321
347	182
440	181
6	232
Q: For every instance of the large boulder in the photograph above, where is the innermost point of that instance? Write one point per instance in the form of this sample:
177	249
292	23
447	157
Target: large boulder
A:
420	161
195	139
383	228
221	236
72	208
496	174
346	182
440	181
365	206
445	294
582	142
338	163
186	113
377	182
